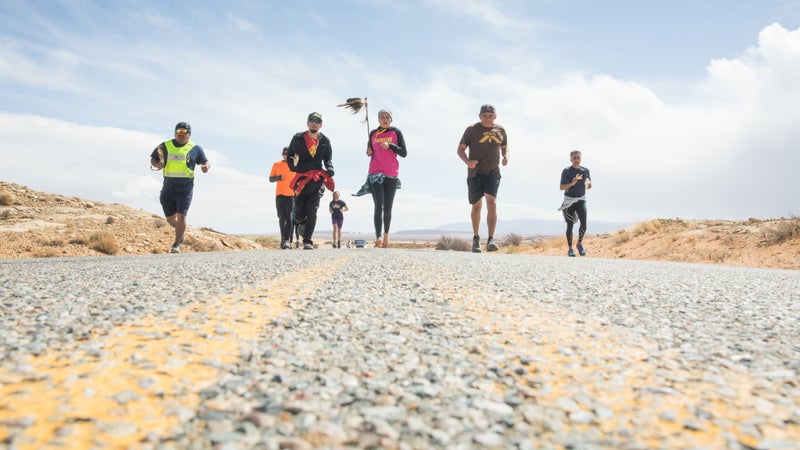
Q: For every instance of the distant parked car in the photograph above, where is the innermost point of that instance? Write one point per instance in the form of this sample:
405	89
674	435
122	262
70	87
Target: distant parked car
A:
360	243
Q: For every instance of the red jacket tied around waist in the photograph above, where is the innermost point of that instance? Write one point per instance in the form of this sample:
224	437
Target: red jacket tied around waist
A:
302	178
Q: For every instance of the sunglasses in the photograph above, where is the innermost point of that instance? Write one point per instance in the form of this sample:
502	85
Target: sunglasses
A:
182	131
314	121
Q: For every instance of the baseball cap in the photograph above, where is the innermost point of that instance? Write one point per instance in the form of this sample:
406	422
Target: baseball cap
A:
183	125
487	108
314	116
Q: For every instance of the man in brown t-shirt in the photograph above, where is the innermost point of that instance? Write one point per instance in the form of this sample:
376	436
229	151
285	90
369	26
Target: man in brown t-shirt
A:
486	141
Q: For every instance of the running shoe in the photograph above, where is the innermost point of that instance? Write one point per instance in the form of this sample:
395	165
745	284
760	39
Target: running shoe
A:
491	246
581	251
571	253
175	249
476	244
308	246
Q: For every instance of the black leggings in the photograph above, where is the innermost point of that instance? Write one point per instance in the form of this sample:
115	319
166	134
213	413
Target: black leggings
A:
306	204
578	208
284	205
383	197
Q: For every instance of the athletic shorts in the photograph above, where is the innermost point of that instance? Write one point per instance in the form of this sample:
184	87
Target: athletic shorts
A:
173	202
483	184
337	222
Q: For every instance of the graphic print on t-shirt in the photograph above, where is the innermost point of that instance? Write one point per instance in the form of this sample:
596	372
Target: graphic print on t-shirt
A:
493	136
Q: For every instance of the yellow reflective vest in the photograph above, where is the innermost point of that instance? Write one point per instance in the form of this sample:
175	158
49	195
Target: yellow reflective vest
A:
176	158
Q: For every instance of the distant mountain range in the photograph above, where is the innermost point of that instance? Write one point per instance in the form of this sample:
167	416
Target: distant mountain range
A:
525	227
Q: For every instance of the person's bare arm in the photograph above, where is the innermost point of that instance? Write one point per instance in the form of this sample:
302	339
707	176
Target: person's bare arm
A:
462	153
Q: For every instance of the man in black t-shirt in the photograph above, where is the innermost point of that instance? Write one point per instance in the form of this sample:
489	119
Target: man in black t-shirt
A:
575	180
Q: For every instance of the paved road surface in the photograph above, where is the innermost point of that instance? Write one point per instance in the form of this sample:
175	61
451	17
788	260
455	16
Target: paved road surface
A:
396	349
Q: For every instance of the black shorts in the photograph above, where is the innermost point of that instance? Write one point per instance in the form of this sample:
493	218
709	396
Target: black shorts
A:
482	184
173	202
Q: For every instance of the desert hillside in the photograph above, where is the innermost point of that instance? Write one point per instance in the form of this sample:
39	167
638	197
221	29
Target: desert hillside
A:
773	243
37	224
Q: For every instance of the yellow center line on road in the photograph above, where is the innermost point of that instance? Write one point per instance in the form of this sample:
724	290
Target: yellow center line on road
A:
607	365
141	380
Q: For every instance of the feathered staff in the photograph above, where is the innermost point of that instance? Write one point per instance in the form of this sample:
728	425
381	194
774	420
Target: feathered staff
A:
355	104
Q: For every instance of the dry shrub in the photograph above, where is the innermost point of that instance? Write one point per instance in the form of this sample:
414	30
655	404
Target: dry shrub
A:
6	199
542	243
451	243
512	239
54	242
785	230
104	242
110	220
5	215
649	227
537	244
159	223
202	245
79	241
622	237
267	241
45	252
716	255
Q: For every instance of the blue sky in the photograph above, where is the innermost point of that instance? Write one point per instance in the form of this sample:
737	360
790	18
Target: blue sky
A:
681	108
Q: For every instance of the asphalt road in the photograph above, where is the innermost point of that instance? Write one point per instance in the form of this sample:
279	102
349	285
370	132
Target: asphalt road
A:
396	349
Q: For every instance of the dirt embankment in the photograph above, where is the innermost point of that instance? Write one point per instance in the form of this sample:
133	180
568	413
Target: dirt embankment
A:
37	224
773	243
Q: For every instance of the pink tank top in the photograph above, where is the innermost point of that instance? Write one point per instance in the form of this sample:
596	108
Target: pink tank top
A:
384	160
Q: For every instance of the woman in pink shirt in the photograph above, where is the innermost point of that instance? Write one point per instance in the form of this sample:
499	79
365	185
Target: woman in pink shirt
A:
385	144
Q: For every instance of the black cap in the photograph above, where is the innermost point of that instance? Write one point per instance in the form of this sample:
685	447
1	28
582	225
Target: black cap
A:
314	116
487	108
183	125
285	150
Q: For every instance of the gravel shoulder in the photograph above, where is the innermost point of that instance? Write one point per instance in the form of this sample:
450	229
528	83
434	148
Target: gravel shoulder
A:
396	349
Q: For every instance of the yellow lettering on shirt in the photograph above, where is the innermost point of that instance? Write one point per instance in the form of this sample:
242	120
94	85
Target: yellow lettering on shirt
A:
491	136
